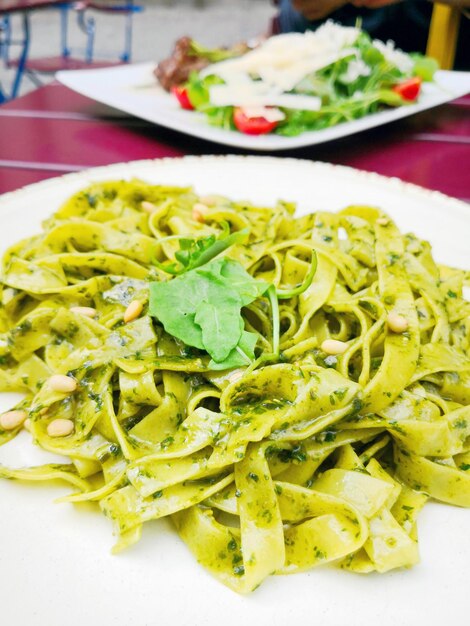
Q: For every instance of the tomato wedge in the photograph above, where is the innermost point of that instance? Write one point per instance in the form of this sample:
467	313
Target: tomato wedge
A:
181	94
409	89
252	125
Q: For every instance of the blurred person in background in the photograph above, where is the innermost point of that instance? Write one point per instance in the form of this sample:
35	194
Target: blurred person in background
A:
406	22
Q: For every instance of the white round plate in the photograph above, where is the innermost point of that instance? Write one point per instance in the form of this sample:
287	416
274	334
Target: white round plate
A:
55	565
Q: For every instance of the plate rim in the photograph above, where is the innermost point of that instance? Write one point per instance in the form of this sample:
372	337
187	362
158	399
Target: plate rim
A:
392	182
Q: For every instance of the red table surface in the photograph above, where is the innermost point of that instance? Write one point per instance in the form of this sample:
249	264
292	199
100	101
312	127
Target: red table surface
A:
54	130
14	6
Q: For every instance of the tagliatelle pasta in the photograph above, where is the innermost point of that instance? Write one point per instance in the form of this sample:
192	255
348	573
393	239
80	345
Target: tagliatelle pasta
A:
348	406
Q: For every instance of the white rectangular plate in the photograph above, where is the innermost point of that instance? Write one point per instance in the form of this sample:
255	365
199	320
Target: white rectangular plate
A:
134	90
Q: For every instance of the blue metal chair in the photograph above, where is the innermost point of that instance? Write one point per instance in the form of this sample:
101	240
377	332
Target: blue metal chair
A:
68	58
6	42
87	25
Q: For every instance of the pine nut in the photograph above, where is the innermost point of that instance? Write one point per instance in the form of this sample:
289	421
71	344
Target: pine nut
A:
27	425
60	428
382	221
12	419
148	207
133	311
333	346
44	411
88	311
397	323
60	382
199	211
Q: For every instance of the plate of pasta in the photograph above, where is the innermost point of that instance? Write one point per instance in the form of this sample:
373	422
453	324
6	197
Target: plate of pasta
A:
244	368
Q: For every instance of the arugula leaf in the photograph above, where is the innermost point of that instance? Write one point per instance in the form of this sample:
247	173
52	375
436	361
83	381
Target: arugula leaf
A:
274	355
199	251
174	304
242	355
214	55
202	308
284	294
247	288
391	98
220	245
191	249
272	296
424	67
222	117
220	326
198	89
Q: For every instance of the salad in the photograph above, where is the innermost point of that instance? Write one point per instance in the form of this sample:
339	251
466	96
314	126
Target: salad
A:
295	82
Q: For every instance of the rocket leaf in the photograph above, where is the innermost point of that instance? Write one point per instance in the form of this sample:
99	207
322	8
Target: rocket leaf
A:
242	355
220	326
199	251
202	308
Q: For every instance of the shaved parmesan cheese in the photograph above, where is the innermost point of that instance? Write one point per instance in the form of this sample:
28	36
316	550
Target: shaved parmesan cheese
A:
356	68
296	101
232	95
239	94
395	56
336	35
287	77
270	114
262	76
